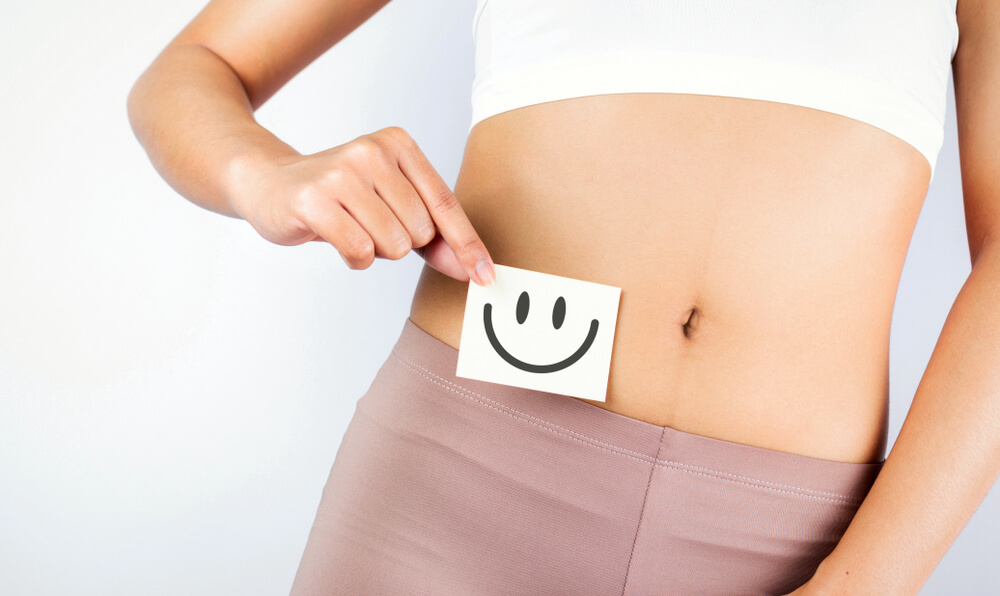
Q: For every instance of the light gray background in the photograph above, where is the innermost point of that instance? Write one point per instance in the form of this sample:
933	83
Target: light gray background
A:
173	388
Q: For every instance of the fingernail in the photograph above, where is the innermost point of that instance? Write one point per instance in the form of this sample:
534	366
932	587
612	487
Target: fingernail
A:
485	273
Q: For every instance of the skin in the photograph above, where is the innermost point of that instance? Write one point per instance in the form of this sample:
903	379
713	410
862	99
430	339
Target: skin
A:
645	199
758	246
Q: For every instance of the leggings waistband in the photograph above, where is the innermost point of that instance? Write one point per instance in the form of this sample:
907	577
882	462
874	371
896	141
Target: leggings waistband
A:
435	361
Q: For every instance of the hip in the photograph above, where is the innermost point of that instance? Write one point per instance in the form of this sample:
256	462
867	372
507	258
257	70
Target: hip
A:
449	485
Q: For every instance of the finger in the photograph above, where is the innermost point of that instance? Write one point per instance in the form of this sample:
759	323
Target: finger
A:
446	211
335	225
392	241
439	256
403	199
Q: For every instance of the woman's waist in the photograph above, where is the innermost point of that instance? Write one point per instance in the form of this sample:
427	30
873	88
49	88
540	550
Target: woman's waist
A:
690	356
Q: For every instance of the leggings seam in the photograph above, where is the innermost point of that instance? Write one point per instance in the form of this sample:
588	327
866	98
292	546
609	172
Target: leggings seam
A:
524	414
642	513
717	474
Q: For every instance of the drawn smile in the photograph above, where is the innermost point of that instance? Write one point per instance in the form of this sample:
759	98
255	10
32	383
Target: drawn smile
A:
527	366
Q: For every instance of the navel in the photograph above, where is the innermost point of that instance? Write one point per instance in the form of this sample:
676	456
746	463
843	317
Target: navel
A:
690	326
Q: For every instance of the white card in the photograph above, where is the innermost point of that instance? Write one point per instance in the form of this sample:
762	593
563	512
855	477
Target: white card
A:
540	331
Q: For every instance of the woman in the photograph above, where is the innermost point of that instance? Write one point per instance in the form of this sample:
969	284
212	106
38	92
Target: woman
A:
749	174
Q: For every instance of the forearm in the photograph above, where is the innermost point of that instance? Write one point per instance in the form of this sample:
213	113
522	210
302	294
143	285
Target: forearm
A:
191	113
944	461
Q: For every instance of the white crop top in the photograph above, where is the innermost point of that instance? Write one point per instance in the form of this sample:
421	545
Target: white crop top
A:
882	62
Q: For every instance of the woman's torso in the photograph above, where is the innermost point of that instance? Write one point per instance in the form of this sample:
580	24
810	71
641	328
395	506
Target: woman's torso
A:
782	228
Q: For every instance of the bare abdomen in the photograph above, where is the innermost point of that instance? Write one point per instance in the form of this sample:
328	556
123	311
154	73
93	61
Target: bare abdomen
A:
758	246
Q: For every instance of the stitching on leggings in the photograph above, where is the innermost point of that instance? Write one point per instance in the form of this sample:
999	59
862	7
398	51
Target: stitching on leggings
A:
841	498
801	492
719	472
642	513
468	393
642	456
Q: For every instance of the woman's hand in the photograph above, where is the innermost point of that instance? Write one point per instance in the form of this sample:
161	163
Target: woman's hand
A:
375	196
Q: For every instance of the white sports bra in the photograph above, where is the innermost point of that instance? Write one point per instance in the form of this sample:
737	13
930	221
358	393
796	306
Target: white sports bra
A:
882	62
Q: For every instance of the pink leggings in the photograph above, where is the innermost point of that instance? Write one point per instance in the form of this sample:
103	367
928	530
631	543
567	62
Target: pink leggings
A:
445	485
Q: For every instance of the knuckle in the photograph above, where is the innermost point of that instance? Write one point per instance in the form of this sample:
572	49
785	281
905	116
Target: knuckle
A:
305	201
425	233
399	246
468	245
331	186
309	198
363	150
445	202
334	178
397	134
358	248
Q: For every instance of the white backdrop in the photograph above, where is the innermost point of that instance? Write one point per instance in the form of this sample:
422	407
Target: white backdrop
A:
173	388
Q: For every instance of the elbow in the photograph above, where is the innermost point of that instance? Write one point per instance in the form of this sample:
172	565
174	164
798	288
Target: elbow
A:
140	99
130	107
985	244
134	106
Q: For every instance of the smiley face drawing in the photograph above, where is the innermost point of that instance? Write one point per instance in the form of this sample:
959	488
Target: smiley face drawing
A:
557	349
558	316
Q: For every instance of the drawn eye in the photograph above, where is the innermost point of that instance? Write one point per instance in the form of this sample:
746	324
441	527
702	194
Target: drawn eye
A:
559	312
522	307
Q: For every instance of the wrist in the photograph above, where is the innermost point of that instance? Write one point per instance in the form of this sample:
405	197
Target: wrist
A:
244	171
830	578
836	576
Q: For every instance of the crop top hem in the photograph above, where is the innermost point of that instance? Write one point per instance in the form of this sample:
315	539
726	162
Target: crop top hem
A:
807	85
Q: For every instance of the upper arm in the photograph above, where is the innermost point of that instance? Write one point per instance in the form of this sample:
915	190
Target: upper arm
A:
267	42
976	74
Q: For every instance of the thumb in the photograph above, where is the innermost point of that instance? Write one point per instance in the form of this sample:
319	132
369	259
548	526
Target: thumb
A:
439	255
